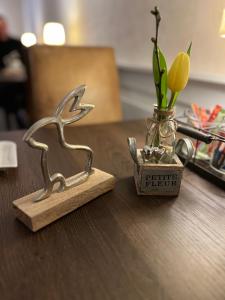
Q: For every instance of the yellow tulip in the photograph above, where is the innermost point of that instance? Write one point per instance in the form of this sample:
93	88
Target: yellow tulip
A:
179	72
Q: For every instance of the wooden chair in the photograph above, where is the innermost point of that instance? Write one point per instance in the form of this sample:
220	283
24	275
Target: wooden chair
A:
54	71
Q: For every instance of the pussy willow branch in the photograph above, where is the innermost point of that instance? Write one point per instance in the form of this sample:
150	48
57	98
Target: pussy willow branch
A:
156	13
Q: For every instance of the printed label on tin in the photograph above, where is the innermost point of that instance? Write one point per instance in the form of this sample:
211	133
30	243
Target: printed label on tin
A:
160	180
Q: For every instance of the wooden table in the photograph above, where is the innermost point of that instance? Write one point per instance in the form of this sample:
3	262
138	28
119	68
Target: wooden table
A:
119	246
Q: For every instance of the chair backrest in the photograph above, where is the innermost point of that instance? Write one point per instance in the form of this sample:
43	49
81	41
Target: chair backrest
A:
55	70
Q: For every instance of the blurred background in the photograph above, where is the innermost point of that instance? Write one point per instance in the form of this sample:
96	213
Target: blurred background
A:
127	26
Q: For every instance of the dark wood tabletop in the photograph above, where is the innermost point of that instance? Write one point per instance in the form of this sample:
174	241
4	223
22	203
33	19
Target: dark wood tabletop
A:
119	246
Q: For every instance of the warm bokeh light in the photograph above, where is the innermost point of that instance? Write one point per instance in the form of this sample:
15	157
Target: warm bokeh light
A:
54	34
222	26
28	39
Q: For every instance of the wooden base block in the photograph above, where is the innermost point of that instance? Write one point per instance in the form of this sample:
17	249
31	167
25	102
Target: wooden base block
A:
37	215
158	179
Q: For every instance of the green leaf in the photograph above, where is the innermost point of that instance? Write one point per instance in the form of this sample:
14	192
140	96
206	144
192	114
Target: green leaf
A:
156	74
162	101
163	87
189	49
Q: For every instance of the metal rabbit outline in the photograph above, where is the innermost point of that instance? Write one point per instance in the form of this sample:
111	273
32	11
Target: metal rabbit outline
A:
57	119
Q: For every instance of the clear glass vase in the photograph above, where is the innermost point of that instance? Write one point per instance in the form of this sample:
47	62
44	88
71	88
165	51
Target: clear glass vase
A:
161	134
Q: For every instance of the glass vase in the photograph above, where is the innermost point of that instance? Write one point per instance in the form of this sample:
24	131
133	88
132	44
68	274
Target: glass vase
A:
161	133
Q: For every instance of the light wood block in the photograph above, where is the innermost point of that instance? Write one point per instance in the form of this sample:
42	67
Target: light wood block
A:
37	215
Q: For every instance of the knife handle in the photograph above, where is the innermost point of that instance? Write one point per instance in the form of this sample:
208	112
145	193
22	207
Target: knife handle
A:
195	133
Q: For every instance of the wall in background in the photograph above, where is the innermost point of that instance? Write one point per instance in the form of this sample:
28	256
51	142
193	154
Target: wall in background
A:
138	94
127	26
12	10
33	16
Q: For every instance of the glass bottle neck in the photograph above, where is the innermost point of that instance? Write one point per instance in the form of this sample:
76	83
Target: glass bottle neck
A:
160	115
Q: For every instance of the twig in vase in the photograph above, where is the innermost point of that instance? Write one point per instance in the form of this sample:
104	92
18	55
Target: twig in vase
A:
156	13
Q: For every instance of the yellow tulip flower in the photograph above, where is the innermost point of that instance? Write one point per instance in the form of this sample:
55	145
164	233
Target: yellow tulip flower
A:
179	72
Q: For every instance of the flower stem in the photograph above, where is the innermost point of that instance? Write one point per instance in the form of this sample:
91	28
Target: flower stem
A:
173	99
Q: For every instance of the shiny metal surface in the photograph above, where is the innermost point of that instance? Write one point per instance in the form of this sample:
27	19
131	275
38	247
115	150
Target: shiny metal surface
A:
133	148
184	148
78	111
